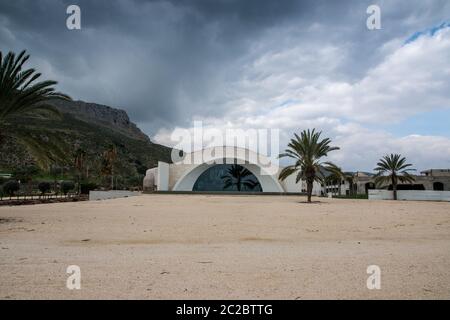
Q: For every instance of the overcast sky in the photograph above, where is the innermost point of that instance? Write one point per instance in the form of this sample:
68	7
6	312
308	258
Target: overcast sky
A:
289	65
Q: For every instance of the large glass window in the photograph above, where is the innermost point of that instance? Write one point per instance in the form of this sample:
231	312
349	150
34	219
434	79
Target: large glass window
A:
227	177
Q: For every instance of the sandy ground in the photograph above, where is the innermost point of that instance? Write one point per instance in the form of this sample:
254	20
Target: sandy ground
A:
232	247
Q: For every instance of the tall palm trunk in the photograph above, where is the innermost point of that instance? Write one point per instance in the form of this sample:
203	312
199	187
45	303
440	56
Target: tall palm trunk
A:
309	187
394	187
310	175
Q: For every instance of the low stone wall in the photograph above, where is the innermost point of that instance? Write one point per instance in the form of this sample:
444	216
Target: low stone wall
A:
422	195
112	194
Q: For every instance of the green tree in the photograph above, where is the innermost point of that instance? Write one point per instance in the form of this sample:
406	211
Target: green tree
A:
87	186
55	171
108	163
21	95
11	187
335	177
350	177
44	187
66	186
307	150
79	164
393	169
25	175
240	177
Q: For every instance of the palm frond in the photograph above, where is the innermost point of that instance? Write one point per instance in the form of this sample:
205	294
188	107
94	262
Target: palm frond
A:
392	168
19	91
307	150
21	95
286	172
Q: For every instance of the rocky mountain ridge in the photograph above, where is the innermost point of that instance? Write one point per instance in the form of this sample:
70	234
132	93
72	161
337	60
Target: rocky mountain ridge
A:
107	116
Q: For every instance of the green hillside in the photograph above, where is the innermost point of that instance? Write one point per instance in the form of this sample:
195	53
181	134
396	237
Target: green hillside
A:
56	141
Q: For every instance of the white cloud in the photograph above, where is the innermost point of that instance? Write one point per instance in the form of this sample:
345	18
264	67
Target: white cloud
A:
298	88
361	149
415	78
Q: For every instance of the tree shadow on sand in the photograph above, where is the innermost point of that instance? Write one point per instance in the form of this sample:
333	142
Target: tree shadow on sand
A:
312	202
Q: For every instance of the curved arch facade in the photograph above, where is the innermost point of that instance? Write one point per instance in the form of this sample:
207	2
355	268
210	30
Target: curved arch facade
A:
182	175
269	183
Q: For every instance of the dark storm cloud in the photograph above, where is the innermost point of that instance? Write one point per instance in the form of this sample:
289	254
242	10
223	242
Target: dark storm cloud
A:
144	56
168	61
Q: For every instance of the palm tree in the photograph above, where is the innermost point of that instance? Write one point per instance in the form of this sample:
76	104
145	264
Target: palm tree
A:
240	177
21	95
79	165
393	169
307	151
350	178
335	177
108	162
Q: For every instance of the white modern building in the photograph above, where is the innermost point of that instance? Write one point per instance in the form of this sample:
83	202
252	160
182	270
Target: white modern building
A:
205	171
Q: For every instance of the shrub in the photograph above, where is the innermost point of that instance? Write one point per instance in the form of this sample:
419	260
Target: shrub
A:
11	187
133	182
87	186
44	187
66	186
25	174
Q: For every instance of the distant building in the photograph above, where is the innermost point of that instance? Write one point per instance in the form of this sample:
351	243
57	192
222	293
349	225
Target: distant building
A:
431	179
